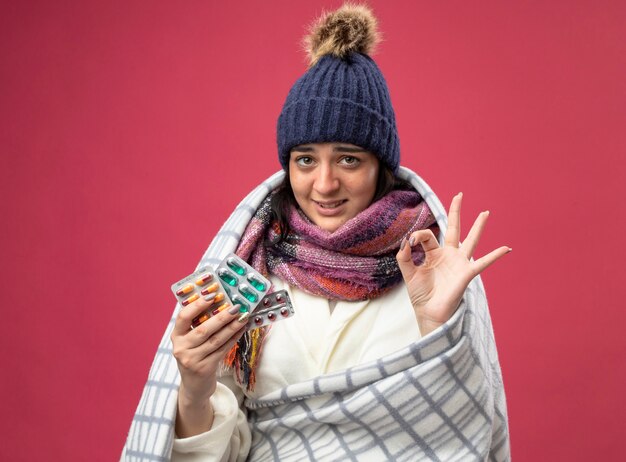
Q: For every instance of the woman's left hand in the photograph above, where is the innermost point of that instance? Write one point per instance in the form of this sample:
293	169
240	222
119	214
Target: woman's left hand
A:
437	286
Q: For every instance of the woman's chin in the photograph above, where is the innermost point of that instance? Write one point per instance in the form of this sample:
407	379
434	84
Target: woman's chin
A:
330	224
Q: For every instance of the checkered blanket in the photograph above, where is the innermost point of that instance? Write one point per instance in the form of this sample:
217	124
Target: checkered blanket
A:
438	399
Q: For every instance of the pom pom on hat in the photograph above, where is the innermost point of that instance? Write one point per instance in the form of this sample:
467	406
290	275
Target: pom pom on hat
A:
343	97
350	29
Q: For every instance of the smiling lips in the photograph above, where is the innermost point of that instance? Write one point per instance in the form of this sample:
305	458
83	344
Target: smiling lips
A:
330	205
330	208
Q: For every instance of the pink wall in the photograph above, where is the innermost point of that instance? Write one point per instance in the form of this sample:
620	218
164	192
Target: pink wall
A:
129	131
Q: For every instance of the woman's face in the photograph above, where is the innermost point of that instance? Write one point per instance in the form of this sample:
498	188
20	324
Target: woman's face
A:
332	182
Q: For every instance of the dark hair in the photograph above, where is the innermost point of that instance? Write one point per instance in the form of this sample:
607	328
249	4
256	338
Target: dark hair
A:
283	197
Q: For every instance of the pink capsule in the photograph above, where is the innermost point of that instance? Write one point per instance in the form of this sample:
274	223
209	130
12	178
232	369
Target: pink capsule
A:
271	316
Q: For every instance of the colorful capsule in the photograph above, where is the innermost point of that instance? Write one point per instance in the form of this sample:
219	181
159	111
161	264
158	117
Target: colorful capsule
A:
243	316
210	289
222	307
228	277
246	291
238	299
204	279
218	298
193	298
235	266
184	290
199	320
256	282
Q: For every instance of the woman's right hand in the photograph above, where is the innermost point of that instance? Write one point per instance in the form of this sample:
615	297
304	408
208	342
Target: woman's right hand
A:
199	353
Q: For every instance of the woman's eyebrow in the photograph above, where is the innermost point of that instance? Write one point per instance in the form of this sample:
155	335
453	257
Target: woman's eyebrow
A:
349	149
303	148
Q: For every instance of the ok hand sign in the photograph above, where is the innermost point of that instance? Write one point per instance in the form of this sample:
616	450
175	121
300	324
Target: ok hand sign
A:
437	286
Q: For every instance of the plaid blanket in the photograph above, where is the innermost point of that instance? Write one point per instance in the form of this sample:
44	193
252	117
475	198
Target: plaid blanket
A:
441	398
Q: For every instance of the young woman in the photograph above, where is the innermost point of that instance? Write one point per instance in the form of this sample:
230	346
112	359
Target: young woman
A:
390	355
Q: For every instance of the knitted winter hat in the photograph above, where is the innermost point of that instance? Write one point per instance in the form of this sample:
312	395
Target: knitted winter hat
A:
343	96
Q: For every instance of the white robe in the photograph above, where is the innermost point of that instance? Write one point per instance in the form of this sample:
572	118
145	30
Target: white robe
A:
314	342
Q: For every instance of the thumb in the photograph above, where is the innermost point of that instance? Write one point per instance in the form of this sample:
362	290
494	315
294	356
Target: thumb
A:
405	260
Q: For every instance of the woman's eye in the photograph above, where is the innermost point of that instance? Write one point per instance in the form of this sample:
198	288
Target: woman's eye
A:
304	161
350	160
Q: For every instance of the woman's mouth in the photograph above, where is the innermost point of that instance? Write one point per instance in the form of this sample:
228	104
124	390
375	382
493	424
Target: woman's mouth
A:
330	208
329	204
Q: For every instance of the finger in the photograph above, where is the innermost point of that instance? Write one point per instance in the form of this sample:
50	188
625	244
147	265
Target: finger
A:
471	241
226	346
426	238
482	263
454	222
403	257
215	342
187	314
214	327
200	358
423	236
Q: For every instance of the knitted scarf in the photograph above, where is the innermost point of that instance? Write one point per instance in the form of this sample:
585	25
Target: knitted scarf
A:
355	262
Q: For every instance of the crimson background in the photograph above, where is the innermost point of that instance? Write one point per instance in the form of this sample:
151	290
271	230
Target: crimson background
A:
129	130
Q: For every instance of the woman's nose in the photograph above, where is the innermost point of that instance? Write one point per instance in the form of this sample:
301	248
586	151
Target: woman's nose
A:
326	181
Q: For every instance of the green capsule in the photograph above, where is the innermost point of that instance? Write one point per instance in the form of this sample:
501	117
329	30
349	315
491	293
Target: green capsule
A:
247	292
227	277
256	282
239	300
236	267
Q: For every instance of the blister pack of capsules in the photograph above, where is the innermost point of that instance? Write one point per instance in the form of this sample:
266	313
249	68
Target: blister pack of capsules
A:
273	307
233	282
201	283
244	285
